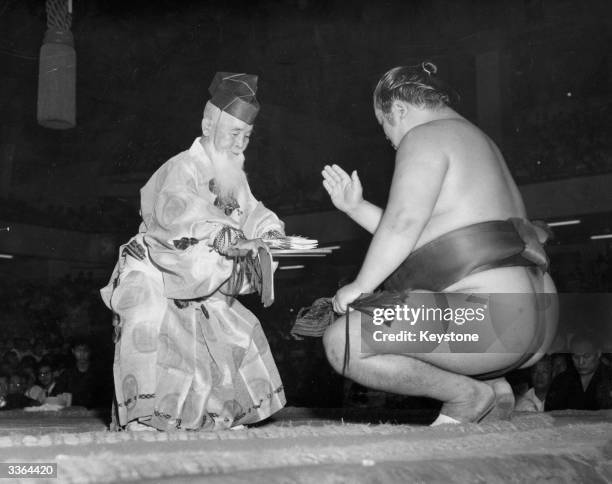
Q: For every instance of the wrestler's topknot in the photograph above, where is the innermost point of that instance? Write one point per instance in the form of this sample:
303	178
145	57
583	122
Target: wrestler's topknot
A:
417	85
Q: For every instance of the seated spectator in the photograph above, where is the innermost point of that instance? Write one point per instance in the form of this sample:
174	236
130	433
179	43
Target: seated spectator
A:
15	397
79	379
541	377
39	350
587	385
559	364
28	368
46	383
10	362
21	348
3	390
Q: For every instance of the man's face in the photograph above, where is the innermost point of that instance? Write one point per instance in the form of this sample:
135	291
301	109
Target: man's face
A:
559	364
231	134
45	375
541	374
81	353
16	384
585	357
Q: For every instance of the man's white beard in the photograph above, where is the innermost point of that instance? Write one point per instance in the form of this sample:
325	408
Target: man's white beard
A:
230	177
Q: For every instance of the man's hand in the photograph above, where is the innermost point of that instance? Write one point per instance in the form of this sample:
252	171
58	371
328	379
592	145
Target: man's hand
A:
345	296
345	191
246	247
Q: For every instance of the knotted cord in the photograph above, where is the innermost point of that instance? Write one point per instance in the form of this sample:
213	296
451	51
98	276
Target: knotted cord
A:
59	14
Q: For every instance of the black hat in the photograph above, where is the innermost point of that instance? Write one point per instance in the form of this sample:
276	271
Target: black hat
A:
235	94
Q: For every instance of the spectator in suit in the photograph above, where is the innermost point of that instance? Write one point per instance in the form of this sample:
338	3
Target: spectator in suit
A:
587	385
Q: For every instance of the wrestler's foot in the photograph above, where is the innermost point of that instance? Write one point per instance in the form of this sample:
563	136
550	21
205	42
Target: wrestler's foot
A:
504	400
470	407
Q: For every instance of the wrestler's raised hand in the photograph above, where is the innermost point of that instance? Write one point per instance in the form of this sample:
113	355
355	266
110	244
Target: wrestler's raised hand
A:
345	296
345	191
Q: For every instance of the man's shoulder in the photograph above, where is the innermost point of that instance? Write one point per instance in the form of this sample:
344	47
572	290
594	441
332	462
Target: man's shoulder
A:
425	141
604	371
181	163
428	137
180	160
565	377
441	129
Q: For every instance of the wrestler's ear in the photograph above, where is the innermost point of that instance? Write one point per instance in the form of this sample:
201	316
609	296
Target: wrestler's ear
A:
400	109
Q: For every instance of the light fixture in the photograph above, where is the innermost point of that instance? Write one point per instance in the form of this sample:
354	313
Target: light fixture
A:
564	222
288	268
6	256
56	107
601	236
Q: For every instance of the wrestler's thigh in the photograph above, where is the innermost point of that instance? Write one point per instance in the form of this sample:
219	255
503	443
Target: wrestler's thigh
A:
464	363
503	338
496	342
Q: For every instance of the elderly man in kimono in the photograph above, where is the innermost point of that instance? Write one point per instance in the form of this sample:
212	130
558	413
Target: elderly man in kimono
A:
188	355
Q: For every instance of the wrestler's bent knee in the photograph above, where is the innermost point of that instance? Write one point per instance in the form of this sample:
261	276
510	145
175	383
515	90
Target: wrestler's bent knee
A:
333	343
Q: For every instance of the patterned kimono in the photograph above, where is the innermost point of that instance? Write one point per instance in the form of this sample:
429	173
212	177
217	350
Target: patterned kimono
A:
188	355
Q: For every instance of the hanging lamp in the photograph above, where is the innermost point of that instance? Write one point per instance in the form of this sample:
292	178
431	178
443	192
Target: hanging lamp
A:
57	69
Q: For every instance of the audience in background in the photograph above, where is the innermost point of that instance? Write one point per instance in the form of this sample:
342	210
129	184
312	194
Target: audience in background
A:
45	384
80	380
15	397
562	144
541	378
585	385
543	147
3	390
559	363
107	215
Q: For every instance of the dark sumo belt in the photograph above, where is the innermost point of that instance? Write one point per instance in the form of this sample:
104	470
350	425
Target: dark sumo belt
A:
468	250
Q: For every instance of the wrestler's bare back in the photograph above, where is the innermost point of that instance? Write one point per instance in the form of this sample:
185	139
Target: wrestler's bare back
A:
477	187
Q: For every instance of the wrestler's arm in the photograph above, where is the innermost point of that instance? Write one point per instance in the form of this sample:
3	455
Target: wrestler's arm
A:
346	194
420	170
367	215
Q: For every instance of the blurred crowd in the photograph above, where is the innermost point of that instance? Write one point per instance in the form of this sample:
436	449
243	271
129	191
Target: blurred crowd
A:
106	216
555	145
47	371
46	353
584	276
547	145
